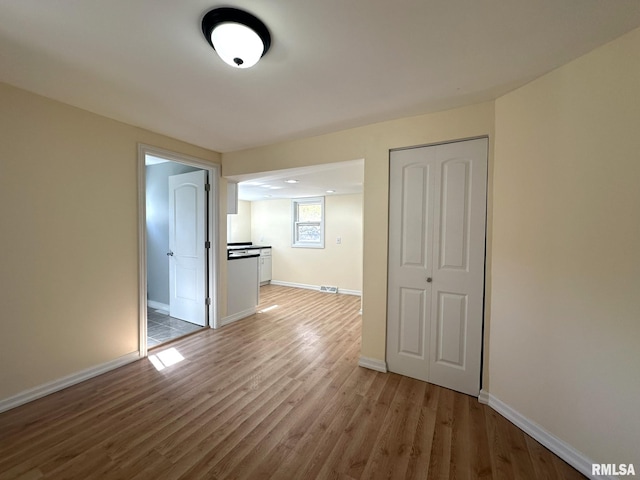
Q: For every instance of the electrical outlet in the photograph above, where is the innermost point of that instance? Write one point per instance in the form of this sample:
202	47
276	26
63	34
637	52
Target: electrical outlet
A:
339	240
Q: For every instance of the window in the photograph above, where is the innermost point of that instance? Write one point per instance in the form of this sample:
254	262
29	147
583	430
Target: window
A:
308	222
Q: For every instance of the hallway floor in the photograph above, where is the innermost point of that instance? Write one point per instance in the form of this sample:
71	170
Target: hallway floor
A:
162	328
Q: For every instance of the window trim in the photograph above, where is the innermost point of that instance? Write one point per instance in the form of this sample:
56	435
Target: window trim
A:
294	223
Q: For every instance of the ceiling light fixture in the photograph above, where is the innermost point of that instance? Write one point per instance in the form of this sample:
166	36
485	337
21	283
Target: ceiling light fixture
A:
239	38
291	181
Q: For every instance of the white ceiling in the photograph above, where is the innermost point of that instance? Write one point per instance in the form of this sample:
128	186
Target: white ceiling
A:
339	178
333	64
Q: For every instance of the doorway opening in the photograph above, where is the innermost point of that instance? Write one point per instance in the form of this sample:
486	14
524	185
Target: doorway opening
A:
265	204
178	232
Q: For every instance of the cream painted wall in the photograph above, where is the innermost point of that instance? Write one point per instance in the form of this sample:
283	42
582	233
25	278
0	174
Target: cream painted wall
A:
69	206
372	143
565	314
338	265
239	224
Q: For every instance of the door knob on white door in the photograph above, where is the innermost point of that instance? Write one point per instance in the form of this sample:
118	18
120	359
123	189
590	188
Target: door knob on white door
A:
169	254
429	280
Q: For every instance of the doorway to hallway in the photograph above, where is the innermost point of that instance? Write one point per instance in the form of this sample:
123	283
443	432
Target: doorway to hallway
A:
177	228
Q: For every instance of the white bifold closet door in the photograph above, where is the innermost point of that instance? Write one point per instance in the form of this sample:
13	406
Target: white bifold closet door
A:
437	217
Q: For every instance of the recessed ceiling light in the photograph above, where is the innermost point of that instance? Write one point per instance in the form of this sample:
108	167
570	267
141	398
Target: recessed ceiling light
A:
331	191
291	181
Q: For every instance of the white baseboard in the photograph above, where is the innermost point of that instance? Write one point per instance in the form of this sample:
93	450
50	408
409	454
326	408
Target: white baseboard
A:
295	285
62	383
483	397
157	305
237	316
344	291
314	287
373	364
562	449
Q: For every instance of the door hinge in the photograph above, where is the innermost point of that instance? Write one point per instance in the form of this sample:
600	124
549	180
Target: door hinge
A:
207	244
207	187
207	301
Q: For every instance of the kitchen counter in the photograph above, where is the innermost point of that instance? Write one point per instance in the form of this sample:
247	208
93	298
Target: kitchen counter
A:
241	253
245	250
245	245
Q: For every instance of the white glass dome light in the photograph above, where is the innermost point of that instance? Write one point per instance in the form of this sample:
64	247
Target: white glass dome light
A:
239	38
237	44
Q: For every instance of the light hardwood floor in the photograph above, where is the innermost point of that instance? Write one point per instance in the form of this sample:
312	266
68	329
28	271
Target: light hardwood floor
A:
277	395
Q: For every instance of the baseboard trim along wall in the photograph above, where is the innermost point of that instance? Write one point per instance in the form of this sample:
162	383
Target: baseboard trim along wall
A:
314	287
62	383
373	364
157	305
237	316
562	449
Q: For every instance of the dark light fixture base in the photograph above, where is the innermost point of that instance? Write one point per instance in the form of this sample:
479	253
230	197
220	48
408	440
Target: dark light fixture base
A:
221	15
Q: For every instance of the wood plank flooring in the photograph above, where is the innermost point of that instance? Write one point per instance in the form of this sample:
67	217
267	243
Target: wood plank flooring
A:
278	395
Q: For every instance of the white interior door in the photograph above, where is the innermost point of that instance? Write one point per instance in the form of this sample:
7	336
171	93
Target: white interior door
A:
437	214
187	252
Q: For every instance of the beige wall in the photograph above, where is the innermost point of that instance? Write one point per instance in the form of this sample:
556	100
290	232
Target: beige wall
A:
339	265
372	143
565	321
69	206
239	224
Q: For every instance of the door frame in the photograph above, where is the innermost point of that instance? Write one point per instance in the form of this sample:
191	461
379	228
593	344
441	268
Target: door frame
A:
213	260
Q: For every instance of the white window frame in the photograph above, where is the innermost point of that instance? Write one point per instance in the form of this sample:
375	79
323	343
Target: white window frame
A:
294	222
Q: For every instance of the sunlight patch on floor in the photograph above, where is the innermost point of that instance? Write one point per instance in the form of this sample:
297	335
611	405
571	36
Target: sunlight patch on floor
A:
265	310
165	358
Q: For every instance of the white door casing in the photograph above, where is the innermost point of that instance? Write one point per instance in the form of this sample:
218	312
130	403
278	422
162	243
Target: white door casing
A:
437	216
187	253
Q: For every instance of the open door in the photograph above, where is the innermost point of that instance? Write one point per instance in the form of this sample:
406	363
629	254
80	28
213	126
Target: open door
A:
187	249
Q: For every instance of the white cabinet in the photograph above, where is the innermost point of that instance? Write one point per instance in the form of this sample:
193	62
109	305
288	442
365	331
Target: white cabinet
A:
265	266
232	197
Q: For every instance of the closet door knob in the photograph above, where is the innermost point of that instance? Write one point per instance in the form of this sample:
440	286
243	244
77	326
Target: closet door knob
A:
429	279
